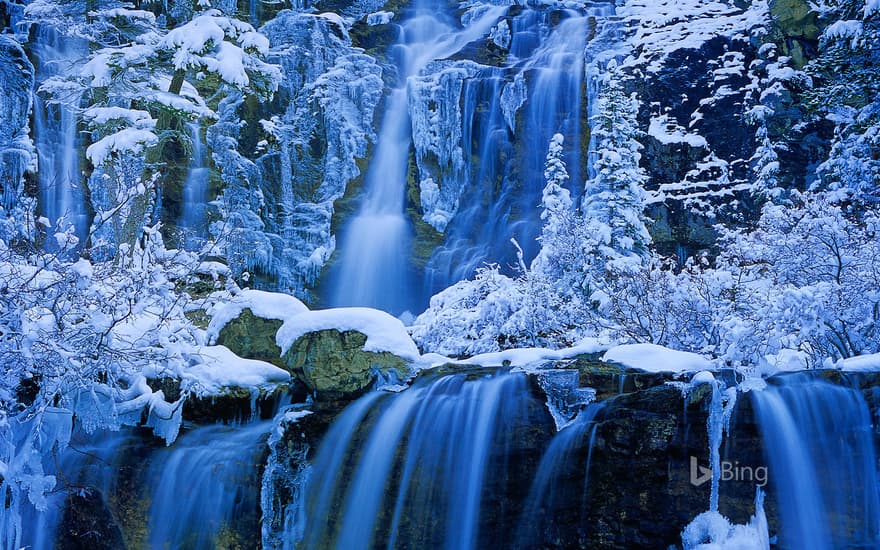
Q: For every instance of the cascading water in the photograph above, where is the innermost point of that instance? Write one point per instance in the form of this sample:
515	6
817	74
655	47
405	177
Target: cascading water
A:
206	487
374	248
89	465
502	187
203	492
193	222
62	197
553	495
416	469
819	442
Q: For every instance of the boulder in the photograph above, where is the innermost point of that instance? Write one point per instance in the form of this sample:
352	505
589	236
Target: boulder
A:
252	337
334	364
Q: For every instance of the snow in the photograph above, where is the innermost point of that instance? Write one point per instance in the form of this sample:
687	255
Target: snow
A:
871	7
712	531
295	416
131	140
703	377
660	27
787	360
869	362
384	333
523	357
103	115
217	368
654	358
380	18
668	133
266	305
229	64
843	29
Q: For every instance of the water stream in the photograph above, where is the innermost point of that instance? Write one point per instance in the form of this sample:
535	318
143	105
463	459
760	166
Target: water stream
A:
423	468
193	220
57	137
375	246
822	462
205	489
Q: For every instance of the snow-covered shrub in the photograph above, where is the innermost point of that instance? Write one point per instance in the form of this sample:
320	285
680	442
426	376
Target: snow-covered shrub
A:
811	270
75	339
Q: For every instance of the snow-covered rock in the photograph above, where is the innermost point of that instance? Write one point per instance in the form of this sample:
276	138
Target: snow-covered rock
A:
654	358
216	369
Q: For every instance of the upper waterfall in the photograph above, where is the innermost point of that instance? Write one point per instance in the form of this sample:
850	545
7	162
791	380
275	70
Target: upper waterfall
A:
479	132
375	246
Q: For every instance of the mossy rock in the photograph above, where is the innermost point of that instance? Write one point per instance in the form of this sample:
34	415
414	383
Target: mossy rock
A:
252	337
796	19
797	29
334	364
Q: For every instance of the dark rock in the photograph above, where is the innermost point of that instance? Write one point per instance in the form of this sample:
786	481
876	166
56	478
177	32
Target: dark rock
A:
87	524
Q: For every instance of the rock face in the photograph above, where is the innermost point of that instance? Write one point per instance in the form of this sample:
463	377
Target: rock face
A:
334	364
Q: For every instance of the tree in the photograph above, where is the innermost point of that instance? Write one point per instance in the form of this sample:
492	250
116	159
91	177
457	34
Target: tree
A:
765	167
143	86
809	273
556	213
613	203
847	92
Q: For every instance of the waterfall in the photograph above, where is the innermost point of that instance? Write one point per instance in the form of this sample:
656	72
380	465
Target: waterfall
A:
552	494
202	492
422	468
206	487
508	122
88	465
374	248
193	220
819	442
61	181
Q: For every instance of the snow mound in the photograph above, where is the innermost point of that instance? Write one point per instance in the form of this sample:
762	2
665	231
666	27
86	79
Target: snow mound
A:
654	358
216	367
384	332
712	531
266	305
522	357
860	363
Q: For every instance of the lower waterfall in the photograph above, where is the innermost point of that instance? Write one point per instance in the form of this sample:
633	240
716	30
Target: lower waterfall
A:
819	440
428	467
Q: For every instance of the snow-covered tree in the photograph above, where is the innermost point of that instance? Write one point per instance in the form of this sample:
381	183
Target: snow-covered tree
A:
847	92
765	167
557	214
75	339
813	265
162	74
613	203
143	85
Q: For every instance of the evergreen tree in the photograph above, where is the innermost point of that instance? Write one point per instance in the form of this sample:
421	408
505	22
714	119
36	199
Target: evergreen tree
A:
556	213
765	166
614	199
847	92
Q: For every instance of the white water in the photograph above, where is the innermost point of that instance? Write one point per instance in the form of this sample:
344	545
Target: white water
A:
375	246
822	464
552	492
193	220
205	484
503	186
62	198
409	470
